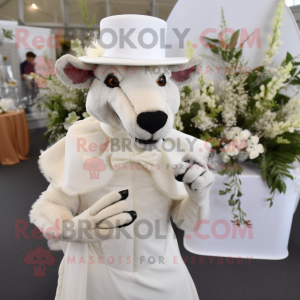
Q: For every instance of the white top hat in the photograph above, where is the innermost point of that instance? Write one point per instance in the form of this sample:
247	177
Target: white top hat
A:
133	40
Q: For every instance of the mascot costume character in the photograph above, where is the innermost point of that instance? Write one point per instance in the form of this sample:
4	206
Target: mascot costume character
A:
118	176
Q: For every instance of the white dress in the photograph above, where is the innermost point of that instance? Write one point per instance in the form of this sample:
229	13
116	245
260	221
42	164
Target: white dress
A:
128	268
143	260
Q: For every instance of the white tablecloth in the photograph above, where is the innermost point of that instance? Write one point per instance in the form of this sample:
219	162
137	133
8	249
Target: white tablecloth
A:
268	239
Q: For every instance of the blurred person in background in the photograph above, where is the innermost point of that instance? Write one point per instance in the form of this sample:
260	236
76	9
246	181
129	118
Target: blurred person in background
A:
27	67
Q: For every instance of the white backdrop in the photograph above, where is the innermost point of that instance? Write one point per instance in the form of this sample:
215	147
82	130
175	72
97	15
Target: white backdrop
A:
271	227
251	15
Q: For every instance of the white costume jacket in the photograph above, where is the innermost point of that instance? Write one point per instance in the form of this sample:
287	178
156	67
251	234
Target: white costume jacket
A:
143	260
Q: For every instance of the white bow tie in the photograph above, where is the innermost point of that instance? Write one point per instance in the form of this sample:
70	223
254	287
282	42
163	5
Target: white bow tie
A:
147	159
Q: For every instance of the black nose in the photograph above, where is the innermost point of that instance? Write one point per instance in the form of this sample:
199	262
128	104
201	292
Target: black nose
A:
152	121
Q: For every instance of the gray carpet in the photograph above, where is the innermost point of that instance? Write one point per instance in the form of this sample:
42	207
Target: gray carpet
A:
20	186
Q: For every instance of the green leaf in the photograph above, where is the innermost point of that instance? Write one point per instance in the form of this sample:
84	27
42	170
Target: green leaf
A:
222	193
263	175
187	90
213	48
234	39
288	175
284	157
283	185
231	202
288	58
281	99
283	165
238	54
274	185
293	71
295	82
212	40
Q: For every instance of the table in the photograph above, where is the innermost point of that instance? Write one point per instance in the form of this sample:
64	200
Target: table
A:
14	137
268	239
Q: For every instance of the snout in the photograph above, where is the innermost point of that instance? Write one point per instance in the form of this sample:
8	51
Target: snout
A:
152	121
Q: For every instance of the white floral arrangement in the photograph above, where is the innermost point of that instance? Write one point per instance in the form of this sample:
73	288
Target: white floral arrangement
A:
65	106
242	145
249	116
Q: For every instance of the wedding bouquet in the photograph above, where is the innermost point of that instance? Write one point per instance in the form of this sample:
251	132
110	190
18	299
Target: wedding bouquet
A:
252	116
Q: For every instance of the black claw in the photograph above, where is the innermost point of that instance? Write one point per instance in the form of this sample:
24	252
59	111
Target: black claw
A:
179	177
190	185
133	216
124	195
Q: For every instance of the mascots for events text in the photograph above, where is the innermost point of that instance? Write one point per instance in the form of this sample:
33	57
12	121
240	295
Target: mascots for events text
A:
118	177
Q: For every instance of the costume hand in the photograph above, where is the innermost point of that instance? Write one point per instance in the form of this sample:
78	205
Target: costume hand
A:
100	221
197	179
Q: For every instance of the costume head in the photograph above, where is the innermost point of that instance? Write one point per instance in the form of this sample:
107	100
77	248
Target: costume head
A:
132	85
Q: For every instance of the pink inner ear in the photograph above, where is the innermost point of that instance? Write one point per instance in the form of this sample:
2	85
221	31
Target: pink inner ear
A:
183	75
77	75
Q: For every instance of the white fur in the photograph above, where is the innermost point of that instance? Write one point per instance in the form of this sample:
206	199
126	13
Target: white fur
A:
76	63
119	107
54	207
138	93
197	178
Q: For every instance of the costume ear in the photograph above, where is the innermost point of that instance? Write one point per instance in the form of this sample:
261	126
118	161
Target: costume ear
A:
183	75
75	73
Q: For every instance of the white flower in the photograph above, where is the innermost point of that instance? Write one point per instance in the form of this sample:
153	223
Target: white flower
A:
273	40
237	130
54	114
67	126
245	134
70	106
237	141
95	50
249	143
259	148
254	154
249	149
230	135
231	150
7	104
70	120
85	115
1	111
254	139
225	157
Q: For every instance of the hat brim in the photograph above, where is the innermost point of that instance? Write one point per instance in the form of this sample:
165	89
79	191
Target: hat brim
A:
134	62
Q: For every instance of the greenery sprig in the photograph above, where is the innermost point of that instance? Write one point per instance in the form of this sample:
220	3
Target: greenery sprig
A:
8	33
85	16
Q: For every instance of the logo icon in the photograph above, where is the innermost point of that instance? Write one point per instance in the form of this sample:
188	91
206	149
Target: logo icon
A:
94	165
39	258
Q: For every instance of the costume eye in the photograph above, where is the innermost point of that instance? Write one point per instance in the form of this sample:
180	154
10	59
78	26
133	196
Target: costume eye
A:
111	81
162	80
